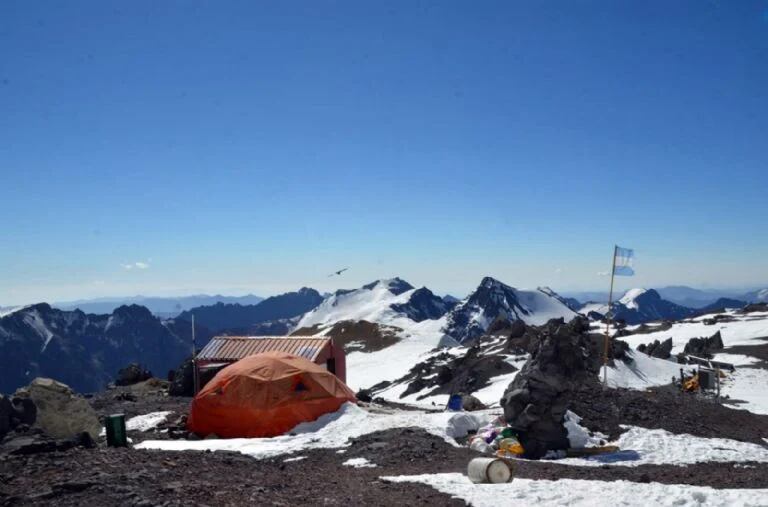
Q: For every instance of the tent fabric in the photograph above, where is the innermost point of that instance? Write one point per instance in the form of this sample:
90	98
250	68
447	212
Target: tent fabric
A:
266	395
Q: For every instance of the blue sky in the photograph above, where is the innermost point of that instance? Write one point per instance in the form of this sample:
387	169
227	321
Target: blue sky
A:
256	147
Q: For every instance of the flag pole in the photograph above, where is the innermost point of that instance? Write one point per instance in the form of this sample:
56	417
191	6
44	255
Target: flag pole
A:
609	317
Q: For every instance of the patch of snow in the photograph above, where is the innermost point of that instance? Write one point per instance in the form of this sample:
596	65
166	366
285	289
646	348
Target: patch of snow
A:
359	463
297	458
36	322
8	310
146	422
366	369
334	430
642	446
582	493
749	385
643	372
579	436
630	298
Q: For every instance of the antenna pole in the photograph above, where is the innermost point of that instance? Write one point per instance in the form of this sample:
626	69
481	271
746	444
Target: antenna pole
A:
609	318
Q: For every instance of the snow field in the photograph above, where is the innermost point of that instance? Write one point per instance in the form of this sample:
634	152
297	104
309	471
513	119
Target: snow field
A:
583	493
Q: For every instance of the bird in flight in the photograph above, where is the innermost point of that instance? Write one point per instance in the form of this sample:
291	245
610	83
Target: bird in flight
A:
337	273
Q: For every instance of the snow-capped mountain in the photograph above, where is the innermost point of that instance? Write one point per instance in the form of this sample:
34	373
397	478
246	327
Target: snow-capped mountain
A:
390	314
392	302
638	306
492	299
85	351
757	296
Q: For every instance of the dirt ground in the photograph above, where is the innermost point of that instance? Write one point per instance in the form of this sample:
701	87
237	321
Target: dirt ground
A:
106	476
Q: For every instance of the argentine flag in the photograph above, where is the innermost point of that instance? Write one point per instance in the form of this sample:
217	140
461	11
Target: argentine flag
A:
622	262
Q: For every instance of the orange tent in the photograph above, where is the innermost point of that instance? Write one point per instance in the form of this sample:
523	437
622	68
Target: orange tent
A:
265	395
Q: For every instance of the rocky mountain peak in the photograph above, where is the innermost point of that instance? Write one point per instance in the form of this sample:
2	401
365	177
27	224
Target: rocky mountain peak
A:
395	285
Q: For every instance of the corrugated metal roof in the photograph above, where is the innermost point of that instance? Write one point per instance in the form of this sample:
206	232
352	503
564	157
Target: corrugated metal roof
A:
233	348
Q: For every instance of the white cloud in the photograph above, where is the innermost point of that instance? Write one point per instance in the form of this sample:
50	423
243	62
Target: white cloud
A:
135	265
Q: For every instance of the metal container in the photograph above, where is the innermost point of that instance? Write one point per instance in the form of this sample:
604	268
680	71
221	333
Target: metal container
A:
115	426
489	471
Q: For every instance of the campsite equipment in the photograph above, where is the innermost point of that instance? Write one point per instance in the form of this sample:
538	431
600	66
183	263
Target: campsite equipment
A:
707	378
115	426
478	444
265	395
454	402
692	384
510	446
508	433
489	470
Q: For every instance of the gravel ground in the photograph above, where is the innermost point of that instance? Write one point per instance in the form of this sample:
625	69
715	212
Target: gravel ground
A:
669	409
105	476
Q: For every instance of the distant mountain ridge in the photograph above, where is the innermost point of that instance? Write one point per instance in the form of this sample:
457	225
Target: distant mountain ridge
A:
220	317
164	306
85	351
638	306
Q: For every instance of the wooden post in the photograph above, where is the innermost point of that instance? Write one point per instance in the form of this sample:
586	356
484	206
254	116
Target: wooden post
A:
609	317
717	372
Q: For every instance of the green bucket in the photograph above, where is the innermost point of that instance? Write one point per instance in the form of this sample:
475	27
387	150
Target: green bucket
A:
115	425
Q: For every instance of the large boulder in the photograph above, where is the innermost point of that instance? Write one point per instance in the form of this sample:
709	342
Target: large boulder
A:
704	347
662	350
15	412
60	412
537	399
132	374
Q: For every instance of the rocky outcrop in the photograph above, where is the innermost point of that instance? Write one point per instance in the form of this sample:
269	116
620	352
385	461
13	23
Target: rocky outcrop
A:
16	413
422	305
704	347
537	399
132	374
662	350
60	412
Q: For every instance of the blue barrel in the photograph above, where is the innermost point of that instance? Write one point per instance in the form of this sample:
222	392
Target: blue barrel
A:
454	402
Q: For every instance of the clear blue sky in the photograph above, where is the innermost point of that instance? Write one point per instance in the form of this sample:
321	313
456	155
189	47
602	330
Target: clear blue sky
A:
258	146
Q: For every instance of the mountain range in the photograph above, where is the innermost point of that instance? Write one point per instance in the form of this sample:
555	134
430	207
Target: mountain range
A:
684	296
86	350
160	306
